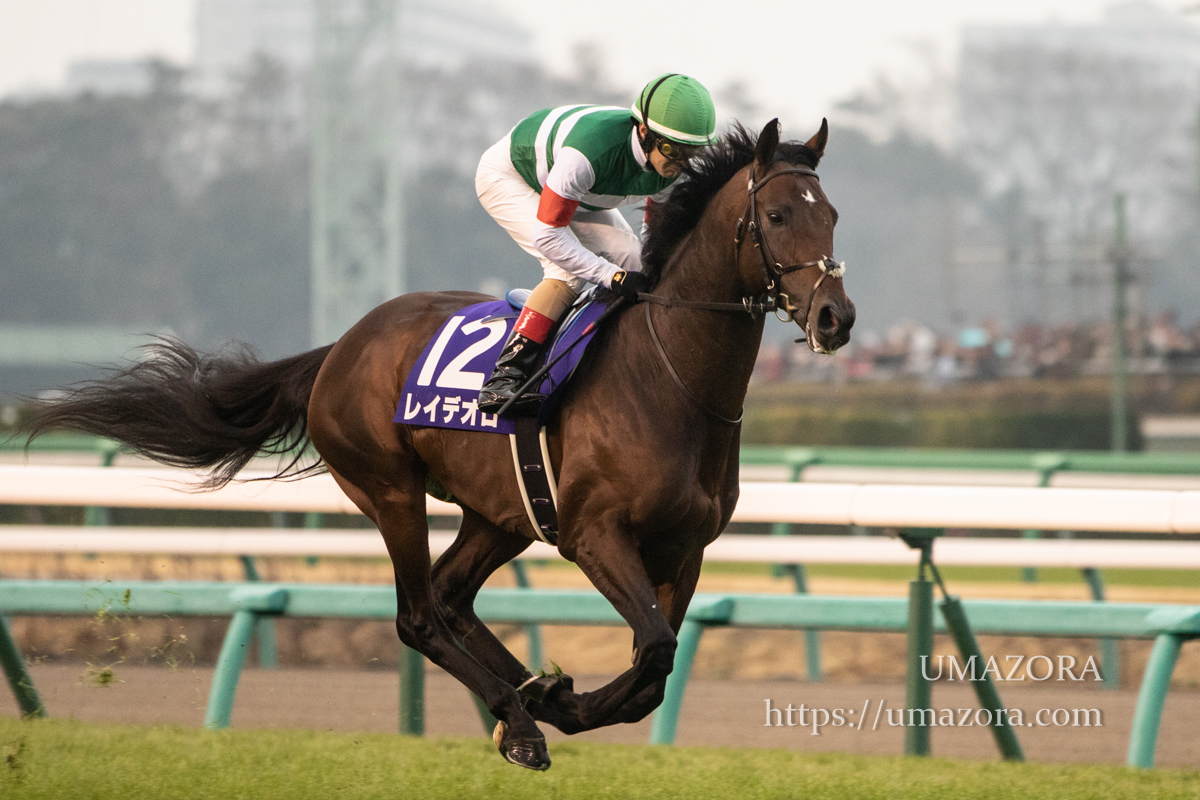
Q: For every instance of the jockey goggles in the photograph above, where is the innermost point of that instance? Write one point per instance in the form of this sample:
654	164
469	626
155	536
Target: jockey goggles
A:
674	151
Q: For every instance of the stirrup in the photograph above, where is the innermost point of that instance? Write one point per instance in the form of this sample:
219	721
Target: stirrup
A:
527	405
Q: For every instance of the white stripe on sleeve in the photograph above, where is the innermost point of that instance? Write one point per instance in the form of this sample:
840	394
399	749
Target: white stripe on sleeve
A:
543	136
572	176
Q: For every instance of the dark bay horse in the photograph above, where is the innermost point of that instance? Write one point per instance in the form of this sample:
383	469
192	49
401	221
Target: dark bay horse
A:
645	447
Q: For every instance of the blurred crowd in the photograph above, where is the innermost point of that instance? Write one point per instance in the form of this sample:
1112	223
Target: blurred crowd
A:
988	352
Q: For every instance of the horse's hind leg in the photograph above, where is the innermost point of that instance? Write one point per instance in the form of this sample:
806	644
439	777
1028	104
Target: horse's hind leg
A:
479	550
402	521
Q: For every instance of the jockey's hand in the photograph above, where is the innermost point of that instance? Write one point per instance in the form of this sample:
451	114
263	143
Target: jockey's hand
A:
628	284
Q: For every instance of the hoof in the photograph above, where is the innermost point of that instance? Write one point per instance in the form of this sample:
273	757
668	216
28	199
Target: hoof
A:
528	753
547	687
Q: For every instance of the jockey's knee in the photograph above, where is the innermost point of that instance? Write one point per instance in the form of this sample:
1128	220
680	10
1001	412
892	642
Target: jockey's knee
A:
551	297
553	272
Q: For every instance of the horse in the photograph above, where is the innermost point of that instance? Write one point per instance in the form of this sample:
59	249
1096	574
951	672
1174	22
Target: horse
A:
645	445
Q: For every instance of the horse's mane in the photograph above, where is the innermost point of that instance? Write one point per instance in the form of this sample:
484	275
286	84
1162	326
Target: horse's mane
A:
704	177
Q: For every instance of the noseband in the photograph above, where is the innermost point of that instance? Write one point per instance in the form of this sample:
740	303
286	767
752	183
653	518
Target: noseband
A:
773	271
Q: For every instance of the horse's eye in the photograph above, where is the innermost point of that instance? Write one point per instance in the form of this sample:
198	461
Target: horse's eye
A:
775	217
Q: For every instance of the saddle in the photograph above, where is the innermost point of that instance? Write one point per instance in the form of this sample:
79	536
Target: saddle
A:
442	389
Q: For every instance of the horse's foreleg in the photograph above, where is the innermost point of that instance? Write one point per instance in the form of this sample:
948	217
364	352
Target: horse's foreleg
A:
611	560
421	627
673	600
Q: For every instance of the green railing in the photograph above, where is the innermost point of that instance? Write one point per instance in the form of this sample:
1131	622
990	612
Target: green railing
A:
1045	464
64	443
1168	625
1040	461
1051	461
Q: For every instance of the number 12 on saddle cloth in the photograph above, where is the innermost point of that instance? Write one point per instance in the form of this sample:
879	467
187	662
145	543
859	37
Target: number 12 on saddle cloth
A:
442	389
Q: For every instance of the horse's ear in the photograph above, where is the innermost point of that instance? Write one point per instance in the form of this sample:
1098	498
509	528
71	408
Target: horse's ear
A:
817	142
768	140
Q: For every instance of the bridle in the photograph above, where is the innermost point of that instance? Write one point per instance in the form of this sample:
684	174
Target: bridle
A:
772	270
772	298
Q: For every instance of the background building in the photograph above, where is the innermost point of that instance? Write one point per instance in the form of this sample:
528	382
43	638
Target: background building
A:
442	34
1056	120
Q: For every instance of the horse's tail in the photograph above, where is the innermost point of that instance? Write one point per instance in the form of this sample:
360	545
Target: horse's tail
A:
213	412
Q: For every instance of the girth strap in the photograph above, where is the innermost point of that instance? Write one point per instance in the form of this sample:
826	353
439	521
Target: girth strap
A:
535	477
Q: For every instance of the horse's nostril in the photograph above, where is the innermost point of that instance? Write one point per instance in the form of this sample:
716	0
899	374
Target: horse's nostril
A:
827	321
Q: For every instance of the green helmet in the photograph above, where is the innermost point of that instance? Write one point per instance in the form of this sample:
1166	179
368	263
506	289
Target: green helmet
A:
678	108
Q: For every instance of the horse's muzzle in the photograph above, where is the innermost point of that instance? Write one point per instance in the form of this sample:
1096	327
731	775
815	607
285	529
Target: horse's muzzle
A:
833	324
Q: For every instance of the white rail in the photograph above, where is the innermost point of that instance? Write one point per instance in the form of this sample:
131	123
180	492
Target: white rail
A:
119	487
1147	511
995	507
762	549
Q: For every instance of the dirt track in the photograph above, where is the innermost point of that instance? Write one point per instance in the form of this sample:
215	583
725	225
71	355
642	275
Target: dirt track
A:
715	713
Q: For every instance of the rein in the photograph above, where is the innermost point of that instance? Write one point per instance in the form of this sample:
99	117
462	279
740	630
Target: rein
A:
679	381
754	306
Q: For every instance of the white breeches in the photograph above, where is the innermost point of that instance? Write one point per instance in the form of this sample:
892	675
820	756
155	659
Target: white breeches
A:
510	201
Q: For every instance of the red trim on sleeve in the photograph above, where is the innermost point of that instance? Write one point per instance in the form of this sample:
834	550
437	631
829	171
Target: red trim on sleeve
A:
554	210
533	325
648	212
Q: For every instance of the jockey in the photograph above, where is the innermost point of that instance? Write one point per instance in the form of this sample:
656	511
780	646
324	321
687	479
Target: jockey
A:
555	182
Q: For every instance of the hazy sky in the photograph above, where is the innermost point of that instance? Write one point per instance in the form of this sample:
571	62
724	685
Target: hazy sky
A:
796	57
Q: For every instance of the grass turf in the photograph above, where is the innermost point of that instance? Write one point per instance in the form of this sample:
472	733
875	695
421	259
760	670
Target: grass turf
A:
62	758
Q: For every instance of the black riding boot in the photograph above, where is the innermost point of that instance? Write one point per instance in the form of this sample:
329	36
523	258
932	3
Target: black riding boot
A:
520	358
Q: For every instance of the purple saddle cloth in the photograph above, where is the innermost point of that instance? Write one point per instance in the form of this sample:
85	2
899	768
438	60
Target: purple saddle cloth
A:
442	389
